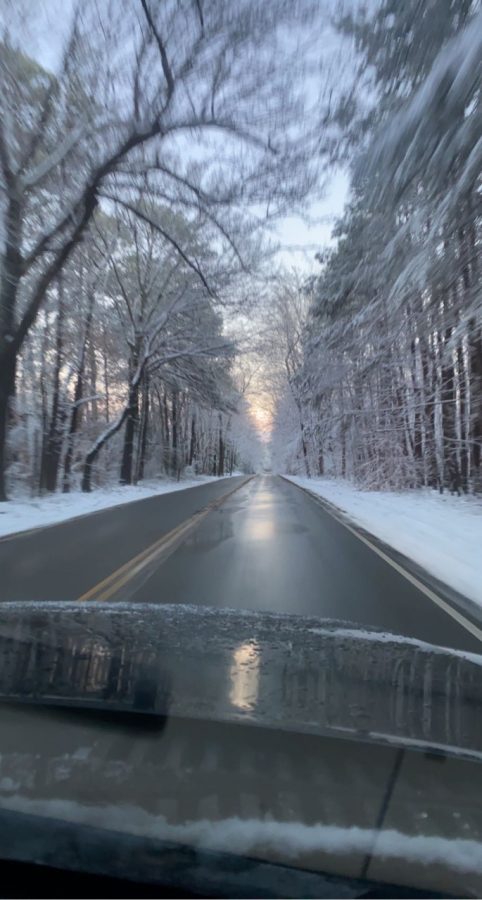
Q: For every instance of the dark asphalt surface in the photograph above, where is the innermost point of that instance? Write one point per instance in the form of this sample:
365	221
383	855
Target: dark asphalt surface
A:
267	547
64	561
271	547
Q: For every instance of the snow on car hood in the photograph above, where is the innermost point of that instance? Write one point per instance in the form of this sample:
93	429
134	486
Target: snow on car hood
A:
300	674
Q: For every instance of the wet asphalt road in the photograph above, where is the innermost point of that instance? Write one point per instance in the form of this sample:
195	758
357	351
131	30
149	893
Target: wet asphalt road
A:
62	562
271	547
268	546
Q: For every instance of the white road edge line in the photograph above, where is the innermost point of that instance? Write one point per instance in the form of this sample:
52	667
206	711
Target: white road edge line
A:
476	632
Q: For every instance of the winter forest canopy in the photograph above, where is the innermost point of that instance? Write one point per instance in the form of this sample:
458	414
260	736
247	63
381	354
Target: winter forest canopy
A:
149	325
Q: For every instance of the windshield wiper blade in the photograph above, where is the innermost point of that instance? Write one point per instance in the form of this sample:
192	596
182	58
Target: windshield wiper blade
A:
102	714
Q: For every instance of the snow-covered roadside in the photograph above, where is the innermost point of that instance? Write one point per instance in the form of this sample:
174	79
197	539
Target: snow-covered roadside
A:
440	532
25	513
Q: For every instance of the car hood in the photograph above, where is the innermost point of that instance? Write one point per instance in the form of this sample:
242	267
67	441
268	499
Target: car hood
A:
299	674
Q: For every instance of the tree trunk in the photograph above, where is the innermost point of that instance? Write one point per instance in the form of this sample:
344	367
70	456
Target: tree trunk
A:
74	422
192	443
449	411
129	436
7	390
164	422
141	457
220	448
97	447
132	419
476	403
53	444
11	340
464	430
174	432
304	448
53	452
321	461
106	379
428	366
416	378
11	270
76	410
469	255
93	381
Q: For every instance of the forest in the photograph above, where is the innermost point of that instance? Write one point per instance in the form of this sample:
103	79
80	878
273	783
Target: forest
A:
145	159
382	349
144	150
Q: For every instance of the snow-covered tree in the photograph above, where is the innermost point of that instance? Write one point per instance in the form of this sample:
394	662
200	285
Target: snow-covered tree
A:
197	101
392	353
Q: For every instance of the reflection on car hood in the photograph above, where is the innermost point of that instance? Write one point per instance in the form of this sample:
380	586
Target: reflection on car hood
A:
300	674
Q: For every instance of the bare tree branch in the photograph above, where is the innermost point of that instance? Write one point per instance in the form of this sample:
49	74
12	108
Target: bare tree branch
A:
165	234
162	51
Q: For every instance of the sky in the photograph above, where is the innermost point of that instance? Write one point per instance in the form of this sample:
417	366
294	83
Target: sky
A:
301	238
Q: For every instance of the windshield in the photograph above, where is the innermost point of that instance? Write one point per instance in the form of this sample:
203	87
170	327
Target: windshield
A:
241	439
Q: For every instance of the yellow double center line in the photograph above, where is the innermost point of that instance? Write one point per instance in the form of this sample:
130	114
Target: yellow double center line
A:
155	553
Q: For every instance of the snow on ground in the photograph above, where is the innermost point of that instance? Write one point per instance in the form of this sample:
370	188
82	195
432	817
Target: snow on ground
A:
32	512
440	532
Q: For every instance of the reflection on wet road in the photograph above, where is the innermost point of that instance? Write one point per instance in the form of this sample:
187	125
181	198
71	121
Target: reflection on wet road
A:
244	676
269	547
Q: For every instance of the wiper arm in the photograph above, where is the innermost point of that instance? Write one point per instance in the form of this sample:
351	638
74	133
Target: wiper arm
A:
103	715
